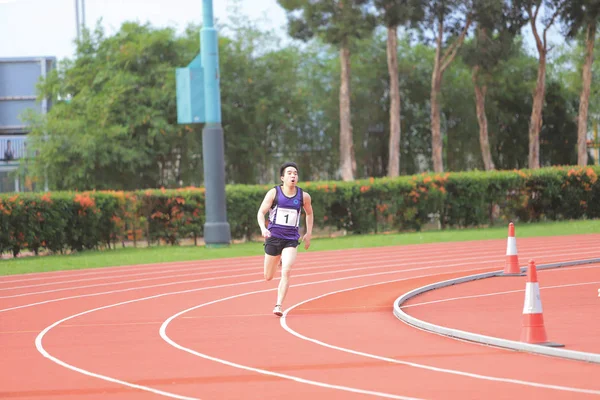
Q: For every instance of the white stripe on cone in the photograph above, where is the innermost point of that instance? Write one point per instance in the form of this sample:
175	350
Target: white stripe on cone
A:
511	246
533	302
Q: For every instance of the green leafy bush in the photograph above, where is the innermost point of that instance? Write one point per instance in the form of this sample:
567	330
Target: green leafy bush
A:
77	221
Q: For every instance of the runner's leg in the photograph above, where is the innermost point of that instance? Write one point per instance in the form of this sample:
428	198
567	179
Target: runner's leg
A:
288	256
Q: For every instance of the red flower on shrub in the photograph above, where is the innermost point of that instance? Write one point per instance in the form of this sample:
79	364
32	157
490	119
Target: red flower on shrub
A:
441	179
591	174
85	201
414	195
46	198
382	207
158	215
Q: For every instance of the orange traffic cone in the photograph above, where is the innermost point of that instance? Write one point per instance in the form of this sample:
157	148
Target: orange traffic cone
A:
511	267
533	330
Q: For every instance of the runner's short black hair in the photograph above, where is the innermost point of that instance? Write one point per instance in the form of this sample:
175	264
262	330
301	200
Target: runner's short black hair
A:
287	164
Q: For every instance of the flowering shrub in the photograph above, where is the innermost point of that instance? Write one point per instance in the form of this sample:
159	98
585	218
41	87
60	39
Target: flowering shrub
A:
78	221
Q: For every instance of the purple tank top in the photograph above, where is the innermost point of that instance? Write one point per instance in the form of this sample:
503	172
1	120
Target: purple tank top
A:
284	215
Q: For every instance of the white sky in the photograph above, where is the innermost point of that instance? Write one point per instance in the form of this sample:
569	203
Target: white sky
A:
31	28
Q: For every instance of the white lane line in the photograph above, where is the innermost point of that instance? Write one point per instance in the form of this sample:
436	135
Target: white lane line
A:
128	290
242	275
405	262
475	296
39	338
228	276
283	322
483	339
565	269
386	251
42	350
325	269
406	258
162	272
247	282
139	280
95	271
202	264
166	338
303	266
322	255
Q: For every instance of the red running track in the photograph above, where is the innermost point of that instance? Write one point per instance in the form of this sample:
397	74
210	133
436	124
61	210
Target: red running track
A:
204	330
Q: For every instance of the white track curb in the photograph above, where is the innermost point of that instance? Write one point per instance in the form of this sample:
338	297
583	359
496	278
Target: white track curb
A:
490	340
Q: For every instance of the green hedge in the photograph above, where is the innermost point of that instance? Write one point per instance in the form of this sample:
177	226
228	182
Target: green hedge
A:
77	221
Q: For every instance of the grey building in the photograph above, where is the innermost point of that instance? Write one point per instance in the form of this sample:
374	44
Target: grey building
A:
18	79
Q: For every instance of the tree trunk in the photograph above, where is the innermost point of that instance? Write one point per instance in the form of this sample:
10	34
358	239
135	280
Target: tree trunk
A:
584	98
436	84
392	61
347	160
439	66
535	124
480	92
436	134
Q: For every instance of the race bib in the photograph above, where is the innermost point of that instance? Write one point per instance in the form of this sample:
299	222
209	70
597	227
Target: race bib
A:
286	217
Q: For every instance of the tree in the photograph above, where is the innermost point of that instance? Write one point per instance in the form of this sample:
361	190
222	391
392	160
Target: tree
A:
395	13
415	69
497	24
558	134
582	16
266	105
453	19
552	9
118	128
336	22
509	107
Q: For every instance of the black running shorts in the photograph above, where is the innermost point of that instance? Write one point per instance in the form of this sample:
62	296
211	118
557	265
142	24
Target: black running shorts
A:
274	246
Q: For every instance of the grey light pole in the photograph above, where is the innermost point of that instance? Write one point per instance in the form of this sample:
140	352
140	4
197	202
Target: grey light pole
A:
216	228
77	19
79	14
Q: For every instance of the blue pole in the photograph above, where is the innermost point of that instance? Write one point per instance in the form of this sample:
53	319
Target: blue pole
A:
210	62
216	228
